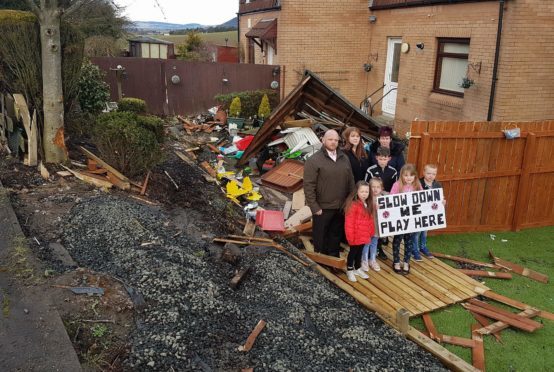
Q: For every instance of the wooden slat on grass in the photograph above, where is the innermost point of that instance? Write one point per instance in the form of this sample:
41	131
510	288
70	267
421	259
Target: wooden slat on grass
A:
502	317
486	274
464	260
431	329
500	325
485	305
484	322
516	304
478	350
520	269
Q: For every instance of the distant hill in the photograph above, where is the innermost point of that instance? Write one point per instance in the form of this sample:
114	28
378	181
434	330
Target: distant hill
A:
234	22
158	27
161	26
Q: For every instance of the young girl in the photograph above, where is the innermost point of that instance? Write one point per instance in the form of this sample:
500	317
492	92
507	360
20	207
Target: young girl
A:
359	227
376	187
407	182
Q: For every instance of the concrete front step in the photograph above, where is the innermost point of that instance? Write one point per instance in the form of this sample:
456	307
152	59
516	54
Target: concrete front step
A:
32	334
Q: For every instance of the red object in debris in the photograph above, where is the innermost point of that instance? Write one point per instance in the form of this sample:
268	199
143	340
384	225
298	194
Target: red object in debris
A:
270	220
244	143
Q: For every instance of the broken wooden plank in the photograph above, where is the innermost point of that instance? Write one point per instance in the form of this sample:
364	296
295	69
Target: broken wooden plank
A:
338	263
172	180
301	123
92	165
145	184
185	158
252	238
252	338
460	341
433	333
286	209
486	274
306	241
514	303
213	149
104	164
250	227
450	359
64	173
118	182
518	269
299	217
478	350
499	325
464	260
485	305
208	168
298	199
43	171
239	277
305	227
502	317
90	179
484	322
22	112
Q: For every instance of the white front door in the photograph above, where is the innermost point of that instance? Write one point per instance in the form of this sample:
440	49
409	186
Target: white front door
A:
391	76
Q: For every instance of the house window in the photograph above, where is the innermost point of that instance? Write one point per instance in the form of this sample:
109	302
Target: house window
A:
451	67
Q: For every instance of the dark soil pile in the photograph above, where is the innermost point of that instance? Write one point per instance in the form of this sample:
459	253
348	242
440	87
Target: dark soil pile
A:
192	320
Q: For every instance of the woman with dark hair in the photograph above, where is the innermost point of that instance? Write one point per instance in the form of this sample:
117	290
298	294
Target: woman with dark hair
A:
384	139
354	149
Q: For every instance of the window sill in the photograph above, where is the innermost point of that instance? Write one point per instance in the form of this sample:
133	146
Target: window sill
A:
446	100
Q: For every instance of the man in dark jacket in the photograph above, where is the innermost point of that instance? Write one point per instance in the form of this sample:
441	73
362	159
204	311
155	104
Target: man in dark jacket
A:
328	180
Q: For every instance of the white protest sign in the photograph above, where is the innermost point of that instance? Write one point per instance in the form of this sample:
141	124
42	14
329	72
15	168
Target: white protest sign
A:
410	212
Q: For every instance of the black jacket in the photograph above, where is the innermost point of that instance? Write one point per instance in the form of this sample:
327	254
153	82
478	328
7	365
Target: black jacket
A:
396	151
359	167
436	184
389	175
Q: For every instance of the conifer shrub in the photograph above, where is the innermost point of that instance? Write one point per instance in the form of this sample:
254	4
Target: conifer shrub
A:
125	143
264	110
93	91
130	104
250	100
153	124
235	107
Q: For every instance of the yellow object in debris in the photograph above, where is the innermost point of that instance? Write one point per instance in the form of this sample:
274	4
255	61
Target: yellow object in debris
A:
254	196
225	175
247	184
234	190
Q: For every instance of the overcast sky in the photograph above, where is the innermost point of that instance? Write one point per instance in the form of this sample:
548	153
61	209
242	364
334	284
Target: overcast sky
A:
205	12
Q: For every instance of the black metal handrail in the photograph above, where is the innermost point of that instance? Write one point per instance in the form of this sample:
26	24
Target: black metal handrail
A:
365	104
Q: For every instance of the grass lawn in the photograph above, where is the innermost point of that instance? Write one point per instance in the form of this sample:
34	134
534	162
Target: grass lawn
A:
519	351
217	38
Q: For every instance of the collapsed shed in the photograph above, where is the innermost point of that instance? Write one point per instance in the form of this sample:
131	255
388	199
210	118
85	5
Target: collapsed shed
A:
312	99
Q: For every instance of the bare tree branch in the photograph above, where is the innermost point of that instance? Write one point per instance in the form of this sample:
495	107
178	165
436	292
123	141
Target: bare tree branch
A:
75	6
34	8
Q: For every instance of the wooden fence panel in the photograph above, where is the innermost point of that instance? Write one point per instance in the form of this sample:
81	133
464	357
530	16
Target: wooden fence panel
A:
199	82
490	183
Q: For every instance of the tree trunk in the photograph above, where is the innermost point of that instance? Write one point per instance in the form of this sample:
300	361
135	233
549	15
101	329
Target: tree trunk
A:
53	132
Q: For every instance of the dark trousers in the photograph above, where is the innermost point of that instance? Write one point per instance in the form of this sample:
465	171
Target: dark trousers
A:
407	247
327	231
354	260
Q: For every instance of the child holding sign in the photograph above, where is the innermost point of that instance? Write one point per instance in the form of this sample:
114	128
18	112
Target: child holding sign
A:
359	228
369	253
428	182
407	182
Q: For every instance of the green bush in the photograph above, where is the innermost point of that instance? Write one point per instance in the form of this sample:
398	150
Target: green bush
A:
264	110
235	107
126	144
130	104
250	100
153	124
93	91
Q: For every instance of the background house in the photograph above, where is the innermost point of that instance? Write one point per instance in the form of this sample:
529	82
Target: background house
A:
413	56
149	47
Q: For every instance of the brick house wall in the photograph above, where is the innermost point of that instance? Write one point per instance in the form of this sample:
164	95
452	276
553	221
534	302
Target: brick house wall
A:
525	87
335	38
246	22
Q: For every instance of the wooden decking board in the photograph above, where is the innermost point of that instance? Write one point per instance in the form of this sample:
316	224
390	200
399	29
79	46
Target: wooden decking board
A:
386	285
471	283
444	280
435	288
461	281
428	298
377	298
375	291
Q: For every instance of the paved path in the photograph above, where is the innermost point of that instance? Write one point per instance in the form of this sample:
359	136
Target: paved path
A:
32	335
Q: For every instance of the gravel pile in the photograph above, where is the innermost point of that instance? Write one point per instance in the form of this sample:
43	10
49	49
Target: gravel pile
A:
192	320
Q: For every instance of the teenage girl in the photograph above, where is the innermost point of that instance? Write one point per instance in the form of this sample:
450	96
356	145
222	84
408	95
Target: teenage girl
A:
370	249
354	149
407	182
359	227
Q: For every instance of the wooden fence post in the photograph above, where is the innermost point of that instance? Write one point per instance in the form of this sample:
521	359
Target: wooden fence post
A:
523	189
424	149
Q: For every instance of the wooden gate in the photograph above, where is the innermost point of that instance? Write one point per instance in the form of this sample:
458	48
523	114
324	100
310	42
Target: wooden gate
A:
490	182
172	87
